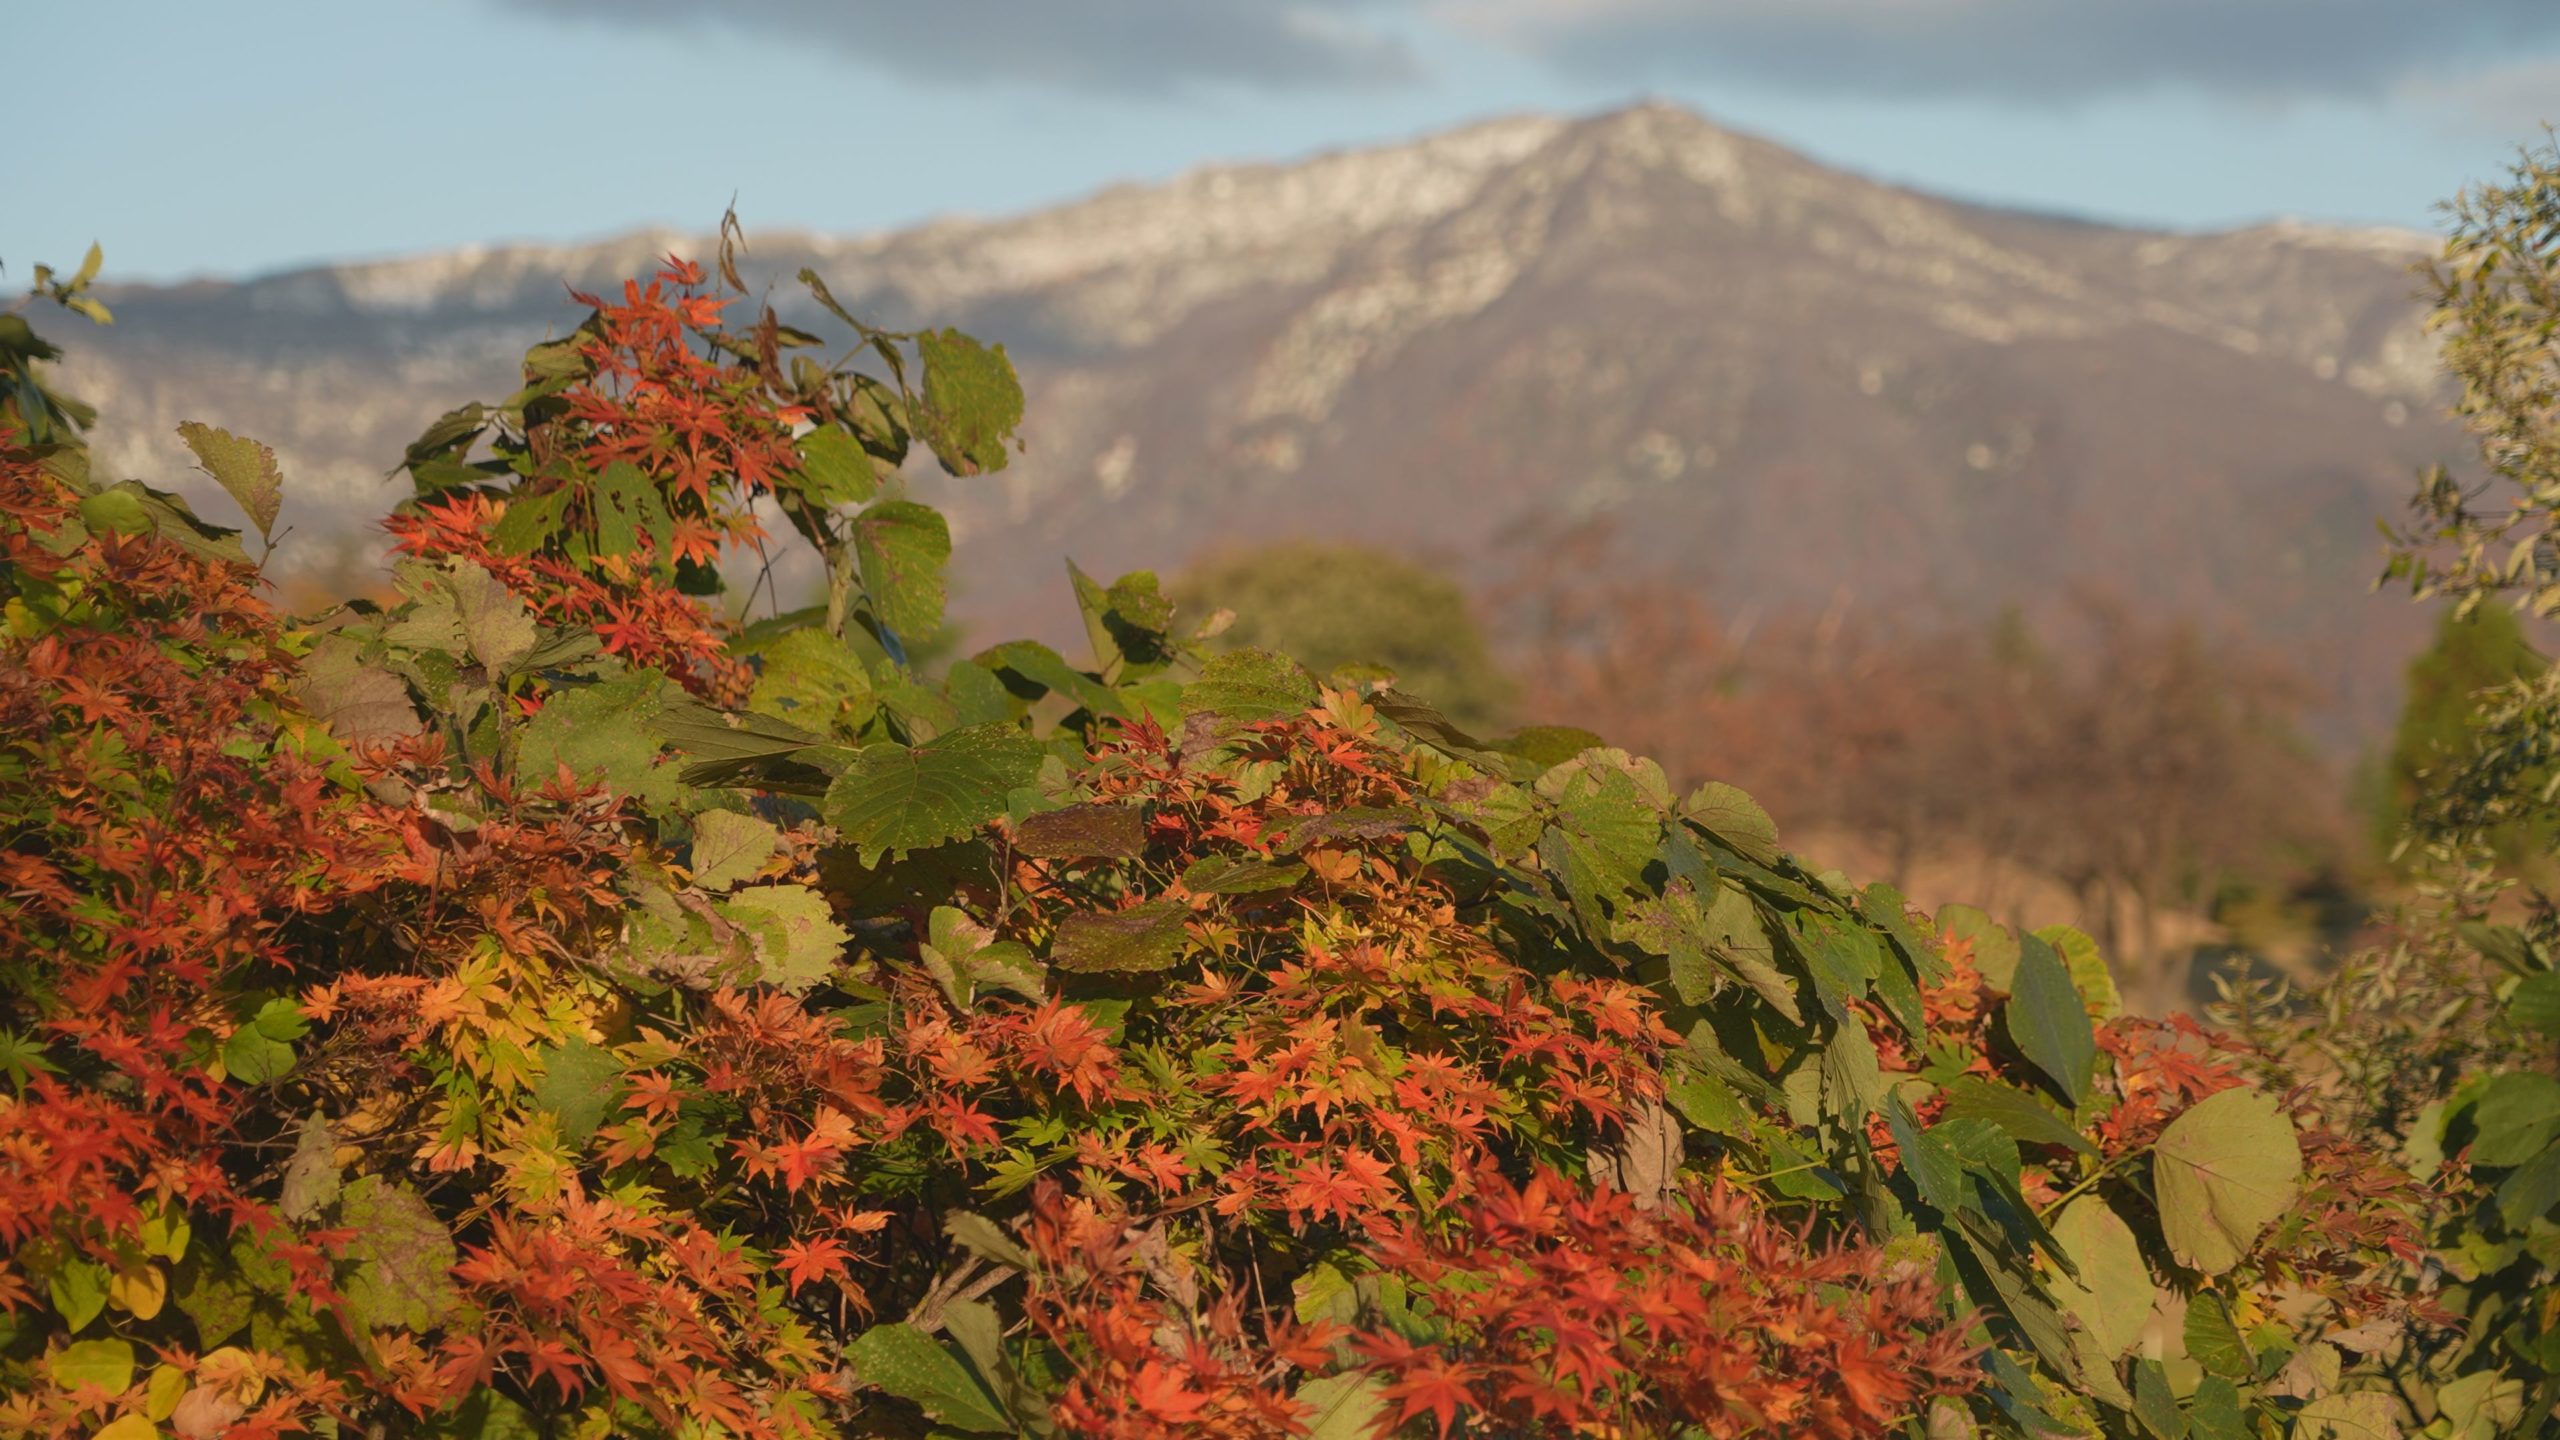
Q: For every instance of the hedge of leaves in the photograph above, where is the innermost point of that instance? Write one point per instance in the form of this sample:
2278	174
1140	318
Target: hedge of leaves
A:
540	1007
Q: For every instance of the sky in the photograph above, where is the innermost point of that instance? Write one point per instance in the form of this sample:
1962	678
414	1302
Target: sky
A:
195	139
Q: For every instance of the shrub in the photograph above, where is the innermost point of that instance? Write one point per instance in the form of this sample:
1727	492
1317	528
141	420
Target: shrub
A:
535	1007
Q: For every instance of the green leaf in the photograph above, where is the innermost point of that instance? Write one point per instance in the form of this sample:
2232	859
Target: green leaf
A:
905	1362
2532	1190
404	1257
1249	685
603	732
135	507
729	848
2221	1172
893	799
972	402
2535	1004
797	938
1726	934
22	1059
1235	875
495	624
1148	938
2215	1412
78	1290
813	678
2048	1022
1734	818
834	469
1323	1292
2112	1297
580	1084
1038	667
484	1415
1995	950
245	469
2154	1405
2089	973
902	547
1083	832
357	701
983	1238
1343	1407
2028	1120
2214	1341
2350	1415
94	1364
311	1182
1933	1168
261	1050
2514	1118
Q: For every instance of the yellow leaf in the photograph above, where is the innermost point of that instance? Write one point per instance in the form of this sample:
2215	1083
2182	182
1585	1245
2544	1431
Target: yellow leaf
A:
142	1290
129	1427
160	1395
235	1370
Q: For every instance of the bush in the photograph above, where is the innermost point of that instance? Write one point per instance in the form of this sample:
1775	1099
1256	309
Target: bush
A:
534	1007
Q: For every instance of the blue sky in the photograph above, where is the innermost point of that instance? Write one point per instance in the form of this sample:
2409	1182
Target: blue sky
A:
227	139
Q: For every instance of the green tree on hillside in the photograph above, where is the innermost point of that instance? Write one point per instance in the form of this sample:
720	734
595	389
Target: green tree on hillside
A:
2473	654
1332	605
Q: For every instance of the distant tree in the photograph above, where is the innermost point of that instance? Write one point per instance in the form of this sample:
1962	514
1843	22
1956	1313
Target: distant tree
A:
2145	767
1331	605
2473	654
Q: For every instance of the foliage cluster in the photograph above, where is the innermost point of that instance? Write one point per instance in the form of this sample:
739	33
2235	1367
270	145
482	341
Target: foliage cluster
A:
538	1008
2446	1041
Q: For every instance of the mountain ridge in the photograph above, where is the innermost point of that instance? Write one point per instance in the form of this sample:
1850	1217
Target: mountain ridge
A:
1779	382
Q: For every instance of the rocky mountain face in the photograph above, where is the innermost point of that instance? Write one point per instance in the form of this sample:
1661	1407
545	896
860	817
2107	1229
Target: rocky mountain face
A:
1782	385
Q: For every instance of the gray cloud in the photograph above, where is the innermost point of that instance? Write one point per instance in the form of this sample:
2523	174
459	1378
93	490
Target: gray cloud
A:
1133	47
2041	51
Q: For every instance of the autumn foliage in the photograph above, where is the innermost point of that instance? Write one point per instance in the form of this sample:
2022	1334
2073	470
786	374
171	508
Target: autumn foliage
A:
546	1006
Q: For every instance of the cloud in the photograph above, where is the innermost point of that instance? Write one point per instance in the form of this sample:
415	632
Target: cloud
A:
2037	51
2514	98
1134	47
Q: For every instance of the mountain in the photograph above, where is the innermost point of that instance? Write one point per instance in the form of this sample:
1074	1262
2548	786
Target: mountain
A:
1784	385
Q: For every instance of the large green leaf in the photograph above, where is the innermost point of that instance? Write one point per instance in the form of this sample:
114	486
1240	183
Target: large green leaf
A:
972	402
2515	1117
2533	1190
2213	1340
580	1085
1083	832
1343	1407
404	1257
894	799
729	848
796	935
2027	1119
1723	934
1734	818
905	1361
834	469
2350	1415
903	547
357	701
1248	685
1149	937
603	732
2112	1297
311	1180
105	1365
2049	1022
1933	1168
2221	1173
245	469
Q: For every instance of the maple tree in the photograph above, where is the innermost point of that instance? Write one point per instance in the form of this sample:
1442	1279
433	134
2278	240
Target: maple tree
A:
546	1006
